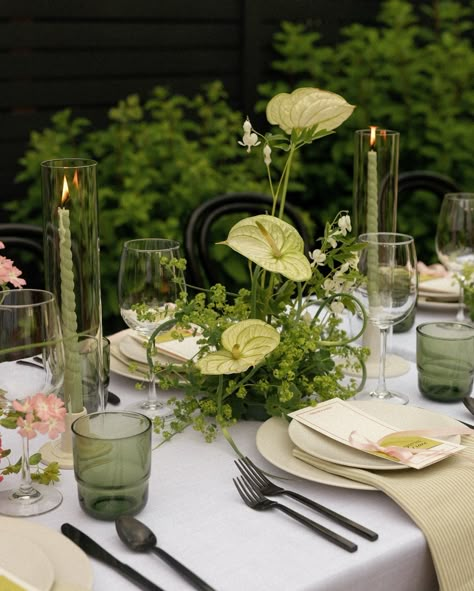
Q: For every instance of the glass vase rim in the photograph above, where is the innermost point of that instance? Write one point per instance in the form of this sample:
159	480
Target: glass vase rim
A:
64	163
378	132
146	421
172	244
458	195
420	327
23	291
401	238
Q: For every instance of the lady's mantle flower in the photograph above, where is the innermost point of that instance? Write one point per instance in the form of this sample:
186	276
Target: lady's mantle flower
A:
317	257
249	139
344	223
243	345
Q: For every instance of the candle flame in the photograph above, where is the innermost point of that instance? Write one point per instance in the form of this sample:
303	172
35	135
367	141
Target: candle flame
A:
373	129
65	194
75	180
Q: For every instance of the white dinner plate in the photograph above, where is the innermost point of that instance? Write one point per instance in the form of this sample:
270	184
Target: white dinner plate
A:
275	445
430	304
119	364
25	562
72	568
403	417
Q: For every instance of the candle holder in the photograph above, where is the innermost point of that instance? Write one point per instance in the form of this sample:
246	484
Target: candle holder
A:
375	193
72	268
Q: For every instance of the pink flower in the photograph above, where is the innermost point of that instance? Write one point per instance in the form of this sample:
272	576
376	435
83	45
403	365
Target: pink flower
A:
41	406
26	406
9	273
27	427
56	406
52	427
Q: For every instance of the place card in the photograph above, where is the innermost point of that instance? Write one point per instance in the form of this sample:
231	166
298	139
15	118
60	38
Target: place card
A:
348	424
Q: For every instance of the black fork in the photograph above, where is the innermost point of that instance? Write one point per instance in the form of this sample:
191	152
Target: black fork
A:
266	487
255	500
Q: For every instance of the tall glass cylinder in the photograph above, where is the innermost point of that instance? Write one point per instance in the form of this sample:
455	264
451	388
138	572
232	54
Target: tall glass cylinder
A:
72	268
375	180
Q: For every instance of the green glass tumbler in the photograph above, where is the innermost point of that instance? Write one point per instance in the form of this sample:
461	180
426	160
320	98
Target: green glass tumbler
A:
112	462
445	360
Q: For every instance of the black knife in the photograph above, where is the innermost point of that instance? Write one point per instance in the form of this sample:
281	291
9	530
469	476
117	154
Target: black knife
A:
93	549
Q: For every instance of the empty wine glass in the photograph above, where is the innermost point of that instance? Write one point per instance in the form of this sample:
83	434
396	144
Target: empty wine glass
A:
455	238
149	284
388	292
30	328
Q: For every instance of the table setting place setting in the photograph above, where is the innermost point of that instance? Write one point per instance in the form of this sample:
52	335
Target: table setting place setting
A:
243	428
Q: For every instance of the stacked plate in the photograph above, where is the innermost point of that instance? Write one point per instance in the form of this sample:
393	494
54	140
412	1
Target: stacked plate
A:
128	353
442	292
36	558
277	440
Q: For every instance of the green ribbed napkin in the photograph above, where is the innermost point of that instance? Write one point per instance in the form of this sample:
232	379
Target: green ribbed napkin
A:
439	499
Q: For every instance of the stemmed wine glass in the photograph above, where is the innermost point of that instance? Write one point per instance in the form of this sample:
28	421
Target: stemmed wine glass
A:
388	292
30	327
149	285
455	238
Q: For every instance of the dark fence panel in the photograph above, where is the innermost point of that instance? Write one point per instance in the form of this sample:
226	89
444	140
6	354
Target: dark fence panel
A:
87	55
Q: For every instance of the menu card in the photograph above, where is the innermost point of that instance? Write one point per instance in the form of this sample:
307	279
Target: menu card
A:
350	425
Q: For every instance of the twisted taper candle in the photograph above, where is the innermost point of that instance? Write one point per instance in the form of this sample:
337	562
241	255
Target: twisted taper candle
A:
72	370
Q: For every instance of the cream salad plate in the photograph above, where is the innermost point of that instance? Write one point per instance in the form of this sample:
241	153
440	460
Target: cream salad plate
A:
276	441
128	353
37	558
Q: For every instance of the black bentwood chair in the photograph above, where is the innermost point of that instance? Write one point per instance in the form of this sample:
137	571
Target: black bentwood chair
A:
426	180
208	263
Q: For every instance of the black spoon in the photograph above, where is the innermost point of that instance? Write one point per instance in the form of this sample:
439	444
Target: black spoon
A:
139	537
469	403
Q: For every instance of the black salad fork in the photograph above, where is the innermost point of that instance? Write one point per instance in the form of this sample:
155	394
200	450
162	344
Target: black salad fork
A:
255	500
266	487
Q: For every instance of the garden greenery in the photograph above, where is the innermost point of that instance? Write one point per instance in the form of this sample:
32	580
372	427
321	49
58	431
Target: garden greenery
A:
162	156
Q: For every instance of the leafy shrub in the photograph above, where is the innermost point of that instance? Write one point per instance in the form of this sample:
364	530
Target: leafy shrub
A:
413	73
158	160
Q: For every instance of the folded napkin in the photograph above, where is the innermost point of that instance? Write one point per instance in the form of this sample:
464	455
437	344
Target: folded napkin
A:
439	286
439	499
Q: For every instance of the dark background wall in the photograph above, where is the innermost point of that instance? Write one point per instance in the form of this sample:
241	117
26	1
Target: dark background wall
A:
89	54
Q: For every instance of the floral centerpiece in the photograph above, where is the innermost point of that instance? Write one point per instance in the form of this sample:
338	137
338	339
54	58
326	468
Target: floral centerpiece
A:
278	345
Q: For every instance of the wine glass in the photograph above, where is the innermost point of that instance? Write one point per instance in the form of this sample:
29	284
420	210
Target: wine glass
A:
455	238
388	292
149	285
30	328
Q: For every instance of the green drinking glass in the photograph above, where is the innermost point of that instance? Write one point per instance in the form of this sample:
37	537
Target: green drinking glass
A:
445	360
112	462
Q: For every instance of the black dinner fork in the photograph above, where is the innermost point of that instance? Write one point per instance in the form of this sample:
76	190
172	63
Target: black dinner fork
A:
255	500
266	487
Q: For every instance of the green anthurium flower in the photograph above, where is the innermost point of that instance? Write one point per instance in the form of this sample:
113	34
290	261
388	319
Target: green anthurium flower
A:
271	243
243	345
308	107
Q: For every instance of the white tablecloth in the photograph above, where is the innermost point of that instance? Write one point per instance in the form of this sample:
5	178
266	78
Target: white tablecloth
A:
199	518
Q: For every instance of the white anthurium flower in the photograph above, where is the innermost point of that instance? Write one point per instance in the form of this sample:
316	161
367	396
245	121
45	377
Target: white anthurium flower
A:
243	345
271	243
308	107
317	257
344	223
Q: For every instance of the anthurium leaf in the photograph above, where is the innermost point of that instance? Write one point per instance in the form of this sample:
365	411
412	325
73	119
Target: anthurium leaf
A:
271	243
243	345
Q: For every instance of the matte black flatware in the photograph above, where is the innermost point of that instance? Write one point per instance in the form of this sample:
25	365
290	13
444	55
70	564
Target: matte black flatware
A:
469	404
93	549
255	500
139	537
267	487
